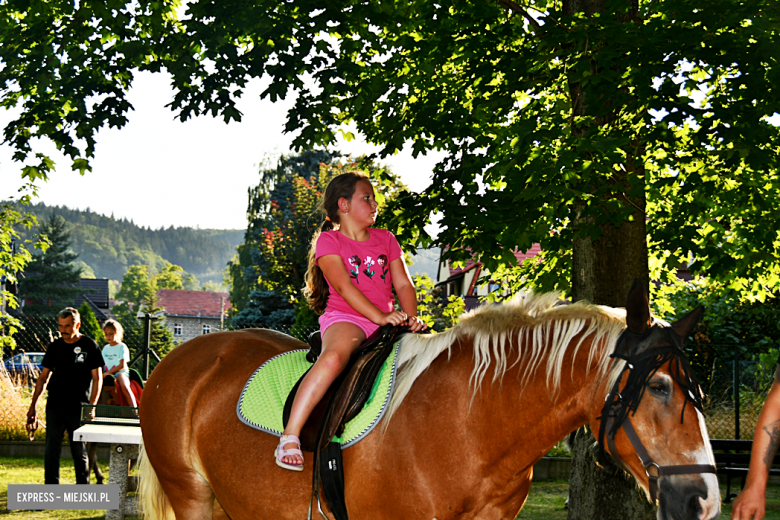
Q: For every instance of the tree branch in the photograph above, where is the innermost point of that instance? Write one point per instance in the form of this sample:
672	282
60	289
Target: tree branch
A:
509	4
650	9
632	203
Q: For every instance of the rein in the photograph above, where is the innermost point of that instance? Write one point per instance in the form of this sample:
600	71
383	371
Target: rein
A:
617	409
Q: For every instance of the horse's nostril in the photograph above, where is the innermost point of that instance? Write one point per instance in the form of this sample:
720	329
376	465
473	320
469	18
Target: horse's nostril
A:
694	507
681	500
697	507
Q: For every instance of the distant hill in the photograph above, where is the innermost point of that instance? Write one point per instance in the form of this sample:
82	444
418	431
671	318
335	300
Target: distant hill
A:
108	245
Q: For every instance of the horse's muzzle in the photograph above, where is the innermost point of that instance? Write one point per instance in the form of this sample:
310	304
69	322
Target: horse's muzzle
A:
686	500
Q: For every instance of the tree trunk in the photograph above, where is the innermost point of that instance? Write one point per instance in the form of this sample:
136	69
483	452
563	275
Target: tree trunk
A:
603	270
600	490
602	273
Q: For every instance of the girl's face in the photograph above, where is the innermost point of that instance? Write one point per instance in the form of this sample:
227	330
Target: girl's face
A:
109	333
362	206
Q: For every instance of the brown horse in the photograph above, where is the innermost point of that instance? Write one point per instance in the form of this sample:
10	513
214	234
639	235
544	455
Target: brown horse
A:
474	408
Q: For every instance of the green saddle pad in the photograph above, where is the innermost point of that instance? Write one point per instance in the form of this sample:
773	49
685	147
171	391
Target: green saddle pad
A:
262	402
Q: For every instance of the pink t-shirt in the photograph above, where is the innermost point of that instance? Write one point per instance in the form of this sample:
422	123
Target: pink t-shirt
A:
368	264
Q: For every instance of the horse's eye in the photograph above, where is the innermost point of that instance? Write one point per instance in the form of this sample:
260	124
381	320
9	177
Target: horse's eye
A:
659	388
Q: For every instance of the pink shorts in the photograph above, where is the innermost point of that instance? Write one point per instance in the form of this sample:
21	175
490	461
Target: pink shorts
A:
329	318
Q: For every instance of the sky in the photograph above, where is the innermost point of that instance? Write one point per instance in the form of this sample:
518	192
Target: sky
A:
160	172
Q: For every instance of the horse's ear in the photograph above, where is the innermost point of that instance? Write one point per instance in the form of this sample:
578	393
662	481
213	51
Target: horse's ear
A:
638	309
685	325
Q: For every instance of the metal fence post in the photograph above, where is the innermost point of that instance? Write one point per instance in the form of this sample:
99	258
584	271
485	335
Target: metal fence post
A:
147	343
736	394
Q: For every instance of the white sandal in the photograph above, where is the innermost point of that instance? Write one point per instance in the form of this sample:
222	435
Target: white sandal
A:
281	452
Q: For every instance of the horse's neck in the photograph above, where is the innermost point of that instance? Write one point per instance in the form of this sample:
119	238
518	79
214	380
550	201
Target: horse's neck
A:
530	414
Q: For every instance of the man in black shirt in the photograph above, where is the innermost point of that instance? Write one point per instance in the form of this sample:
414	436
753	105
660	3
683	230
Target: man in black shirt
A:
70	364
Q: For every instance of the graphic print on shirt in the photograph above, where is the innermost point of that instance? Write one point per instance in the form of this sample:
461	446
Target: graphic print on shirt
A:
382	260
367	271
355	262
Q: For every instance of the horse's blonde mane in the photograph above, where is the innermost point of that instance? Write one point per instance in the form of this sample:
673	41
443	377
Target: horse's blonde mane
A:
543	334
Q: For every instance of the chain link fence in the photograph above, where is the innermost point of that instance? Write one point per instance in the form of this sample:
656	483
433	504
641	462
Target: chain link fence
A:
39	332
17	386
736	384
734	380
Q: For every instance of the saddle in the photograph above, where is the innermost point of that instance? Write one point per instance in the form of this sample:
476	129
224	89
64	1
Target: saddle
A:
343	401
349	392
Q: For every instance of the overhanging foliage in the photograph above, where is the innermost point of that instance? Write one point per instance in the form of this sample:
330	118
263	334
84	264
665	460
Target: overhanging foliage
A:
678	101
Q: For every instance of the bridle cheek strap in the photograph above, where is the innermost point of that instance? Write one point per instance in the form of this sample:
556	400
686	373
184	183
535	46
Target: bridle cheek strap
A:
647	462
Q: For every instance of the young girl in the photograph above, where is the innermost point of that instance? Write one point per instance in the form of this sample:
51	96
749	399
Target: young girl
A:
117	356
352	271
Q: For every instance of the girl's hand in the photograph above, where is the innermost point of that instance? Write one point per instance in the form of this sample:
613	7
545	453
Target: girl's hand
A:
416	324
394	318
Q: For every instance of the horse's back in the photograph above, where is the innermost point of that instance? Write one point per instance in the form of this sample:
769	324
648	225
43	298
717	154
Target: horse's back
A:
228	357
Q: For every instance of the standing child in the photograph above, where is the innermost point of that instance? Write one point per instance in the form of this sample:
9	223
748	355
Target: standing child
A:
117	356
350	281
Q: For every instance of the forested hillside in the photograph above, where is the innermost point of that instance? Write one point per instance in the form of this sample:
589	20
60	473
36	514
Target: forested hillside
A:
108	246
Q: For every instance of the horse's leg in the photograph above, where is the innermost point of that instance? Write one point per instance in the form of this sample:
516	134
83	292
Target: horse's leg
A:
167	447
190	496
518	499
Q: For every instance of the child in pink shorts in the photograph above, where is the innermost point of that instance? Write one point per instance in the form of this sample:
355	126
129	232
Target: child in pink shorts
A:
353	270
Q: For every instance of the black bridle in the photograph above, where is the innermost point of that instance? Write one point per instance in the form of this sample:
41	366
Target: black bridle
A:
617	408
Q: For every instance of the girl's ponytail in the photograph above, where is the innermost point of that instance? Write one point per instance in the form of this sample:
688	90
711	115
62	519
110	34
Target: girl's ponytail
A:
316	289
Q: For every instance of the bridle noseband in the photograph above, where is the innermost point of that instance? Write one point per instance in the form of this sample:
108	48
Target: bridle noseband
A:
616	411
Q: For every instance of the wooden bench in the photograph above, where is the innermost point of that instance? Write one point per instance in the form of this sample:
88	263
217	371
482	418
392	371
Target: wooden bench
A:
732	457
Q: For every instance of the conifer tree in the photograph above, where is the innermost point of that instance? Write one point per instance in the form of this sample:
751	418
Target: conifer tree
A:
51	280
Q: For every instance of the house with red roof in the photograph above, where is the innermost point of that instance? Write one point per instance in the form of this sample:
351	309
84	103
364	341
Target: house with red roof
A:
467	281
193	313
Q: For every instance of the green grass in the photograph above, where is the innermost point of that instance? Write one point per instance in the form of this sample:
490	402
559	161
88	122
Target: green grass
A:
30	471
545	502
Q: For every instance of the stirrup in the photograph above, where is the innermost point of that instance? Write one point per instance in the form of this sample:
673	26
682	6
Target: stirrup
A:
281	452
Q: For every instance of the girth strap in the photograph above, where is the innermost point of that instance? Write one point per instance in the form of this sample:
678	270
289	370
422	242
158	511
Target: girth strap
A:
351	394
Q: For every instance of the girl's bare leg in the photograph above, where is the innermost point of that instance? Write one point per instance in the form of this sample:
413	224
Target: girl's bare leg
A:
124	387
338	343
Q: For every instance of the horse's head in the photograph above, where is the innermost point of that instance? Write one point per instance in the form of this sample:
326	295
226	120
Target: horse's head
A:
652	422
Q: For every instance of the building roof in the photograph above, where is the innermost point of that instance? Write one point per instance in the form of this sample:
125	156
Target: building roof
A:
194	303
470	263
535	250
96	292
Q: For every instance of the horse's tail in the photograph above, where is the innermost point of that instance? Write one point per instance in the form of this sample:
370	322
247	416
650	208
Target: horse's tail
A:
151	498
